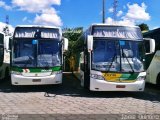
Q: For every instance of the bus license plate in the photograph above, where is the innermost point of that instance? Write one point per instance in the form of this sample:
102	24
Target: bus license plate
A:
36	80
120	86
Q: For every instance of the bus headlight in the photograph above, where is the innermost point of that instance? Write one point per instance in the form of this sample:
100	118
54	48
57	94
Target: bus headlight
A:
16	73
99	77
140	78
56	72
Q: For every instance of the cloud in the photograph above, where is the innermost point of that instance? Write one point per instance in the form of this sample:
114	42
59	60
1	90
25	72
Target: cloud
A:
119	13
48	17
2	25
45	13
3	5
34	6
136	13
110	10
110	21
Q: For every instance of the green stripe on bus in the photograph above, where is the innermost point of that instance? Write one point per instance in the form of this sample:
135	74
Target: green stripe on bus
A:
34	70
120	77
127	76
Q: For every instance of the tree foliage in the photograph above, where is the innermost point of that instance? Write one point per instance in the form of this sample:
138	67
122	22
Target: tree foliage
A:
73	36
143	27
75	43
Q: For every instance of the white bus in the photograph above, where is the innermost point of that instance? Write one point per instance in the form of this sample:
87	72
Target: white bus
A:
4	56
153	60
113	58
37	55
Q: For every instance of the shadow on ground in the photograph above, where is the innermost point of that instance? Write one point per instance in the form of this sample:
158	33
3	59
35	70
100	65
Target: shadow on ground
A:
71	87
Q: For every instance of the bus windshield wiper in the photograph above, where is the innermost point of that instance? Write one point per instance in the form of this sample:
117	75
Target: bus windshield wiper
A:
28	61
124	56
111	62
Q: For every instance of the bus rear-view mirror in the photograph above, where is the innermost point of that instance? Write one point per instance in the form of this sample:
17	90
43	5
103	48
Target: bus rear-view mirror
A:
149	45
8	43
90	43
65	44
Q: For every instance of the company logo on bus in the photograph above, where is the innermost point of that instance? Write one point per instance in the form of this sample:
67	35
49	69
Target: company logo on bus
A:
111	76
118	77
26	71
46	70
32	35
117	32
34	32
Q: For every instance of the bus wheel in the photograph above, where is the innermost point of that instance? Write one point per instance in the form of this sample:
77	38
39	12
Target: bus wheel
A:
158	80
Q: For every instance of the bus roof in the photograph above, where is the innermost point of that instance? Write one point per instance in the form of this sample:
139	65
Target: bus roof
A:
40	26
152	31
101	24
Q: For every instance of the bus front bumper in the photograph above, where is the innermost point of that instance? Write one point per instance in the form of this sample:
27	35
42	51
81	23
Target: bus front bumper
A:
45	80
102	85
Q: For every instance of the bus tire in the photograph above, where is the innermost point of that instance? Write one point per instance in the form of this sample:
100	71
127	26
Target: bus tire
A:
158	80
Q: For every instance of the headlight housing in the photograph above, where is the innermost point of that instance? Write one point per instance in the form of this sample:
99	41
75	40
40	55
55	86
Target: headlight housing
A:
99	77
16	73
140	78
56	72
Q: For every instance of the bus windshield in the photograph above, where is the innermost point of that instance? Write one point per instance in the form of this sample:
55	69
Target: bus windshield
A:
36	53
118	55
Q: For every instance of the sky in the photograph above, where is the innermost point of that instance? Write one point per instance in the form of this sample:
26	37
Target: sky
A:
78	13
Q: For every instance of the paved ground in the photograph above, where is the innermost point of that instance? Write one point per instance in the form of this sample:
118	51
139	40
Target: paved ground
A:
70	101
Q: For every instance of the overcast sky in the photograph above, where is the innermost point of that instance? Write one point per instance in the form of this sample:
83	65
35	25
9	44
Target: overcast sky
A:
78	13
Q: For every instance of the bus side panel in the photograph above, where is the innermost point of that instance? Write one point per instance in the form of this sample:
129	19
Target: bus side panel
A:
153	69
3	71
87	70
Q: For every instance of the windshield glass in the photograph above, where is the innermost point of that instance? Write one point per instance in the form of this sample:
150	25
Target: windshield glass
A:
118	55
36	53
48	53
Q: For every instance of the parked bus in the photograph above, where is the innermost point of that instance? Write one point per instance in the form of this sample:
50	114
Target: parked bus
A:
37	55
4	56
113	58
153	60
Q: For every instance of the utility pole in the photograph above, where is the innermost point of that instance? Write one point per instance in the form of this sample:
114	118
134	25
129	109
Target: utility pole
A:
103	12
115	5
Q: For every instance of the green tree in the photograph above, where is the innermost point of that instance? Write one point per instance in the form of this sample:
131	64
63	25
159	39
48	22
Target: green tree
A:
75	44
143	27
